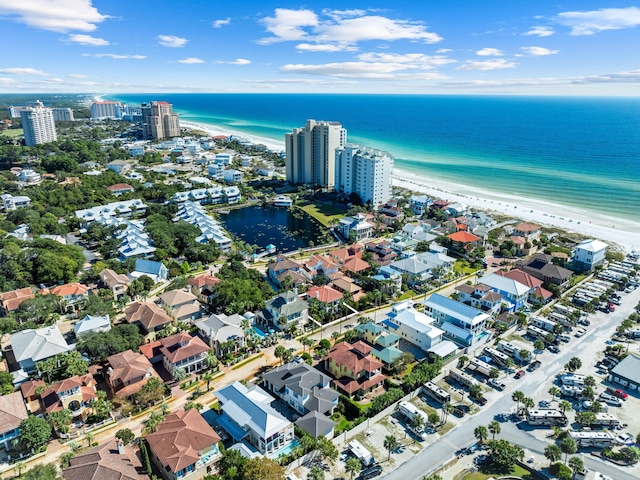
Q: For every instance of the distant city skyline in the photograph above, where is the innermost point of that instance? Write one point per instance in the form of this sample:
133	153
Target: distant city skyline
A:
458	47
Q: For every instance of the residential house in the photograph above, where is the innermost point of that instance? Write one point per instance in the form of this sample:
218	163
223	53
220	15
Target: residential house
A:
202	286
111	460
514	294
414	327
13	202
247	415
439	262
587	255
342	255
29	176
181	305
456	209
223	333
320	265
460	322
92	323
31	390
413	269
285	309
232	176
537	294
118	283
385	344
178	352
127	372
463	240
11	301
74	394
480	296
391	212
418	232
382	252
31	346
420	204
306	390
281	267
121	209
525	237
147	316
120	188
155	270
118	166
72	294
541	266
355	228
347	286
12	412
328	297
354	368
184	446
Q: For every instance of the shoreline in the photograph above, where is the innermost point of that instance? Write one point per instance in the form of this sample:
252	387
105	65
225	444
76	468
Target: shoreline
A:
585	223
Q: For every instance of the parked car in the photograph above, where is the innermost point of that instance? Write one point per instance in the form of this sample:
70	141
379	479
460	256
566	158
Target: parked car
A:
618	393
497	384
554	349
534	365
481	400
610	399
564	338
520	373
580	332
371	472
458	412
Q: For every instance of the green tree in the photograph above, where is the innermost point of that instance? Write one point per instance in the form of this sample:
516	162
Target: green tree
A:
316	473
518	397
554	391
280	353
585	418
35	433
574	364
564	406
475	391
538	345
481	433
41	472
126	435
568	446
155	419
434	418
61	420
262	468
417	423
494	428
101	406
576	464
504	454
552	453
352	466
327	449
390	443
151	392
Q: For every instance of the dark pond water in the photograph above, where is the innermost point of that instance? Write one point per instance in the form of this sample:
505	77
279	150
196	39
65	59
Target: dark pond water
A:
286	229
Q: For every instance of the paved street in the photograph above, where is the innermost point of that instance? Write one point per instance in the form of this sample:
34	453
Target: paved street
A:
533	385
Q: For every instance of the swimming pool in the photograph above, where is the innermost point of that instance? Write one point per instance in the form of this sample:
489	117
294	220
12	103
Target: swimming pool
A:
286	450
259	332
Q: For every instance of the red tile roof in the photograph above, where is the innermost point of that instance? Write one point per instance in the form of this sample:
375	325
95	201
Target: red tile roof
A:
356	265
149	315
12	411
324	294
463	237
51	396
28	389
104	462
527	227
12	300
203	280
181	346
354	358
180	437
69	289
119	187
127	367
521	277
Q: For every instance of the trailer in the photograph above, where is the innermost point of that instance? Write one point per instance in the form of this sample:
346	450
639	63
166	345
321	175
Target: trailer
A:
573	379
543	323
607	420
537	333
593	439
462	378
497	356
410	411
361	453
431	390
513	351
547	418
478	366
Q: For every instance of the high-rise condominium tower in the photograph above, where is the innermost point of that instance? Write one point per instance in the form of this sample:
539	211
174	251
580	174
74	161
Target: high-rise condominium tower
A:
365	171
311	153
159	120
38	125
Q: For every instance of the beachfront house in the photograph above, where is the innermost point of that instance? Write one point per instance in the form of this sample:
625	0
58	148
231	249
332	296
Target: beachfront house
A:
514	294
587	255
462	323
414	327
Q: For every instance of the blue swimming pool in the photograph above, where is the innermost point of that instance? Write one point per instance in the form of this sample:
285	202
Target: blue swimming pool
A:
259	332
286	450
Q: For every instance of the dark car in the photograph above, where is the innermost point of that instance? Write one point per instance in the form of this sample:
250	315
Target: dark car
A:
534	365
481	400
458	412
371	472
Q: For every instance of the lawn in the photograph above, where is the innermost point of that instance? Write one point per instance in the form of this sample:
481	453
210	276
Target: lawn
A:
325	213
12	132
488	472
464	267
406	295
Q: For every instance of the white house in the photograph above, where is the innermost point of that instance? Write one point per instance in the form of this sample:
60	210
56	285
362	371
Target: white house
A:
232	176
29	176
10	202
413	326
420	203
355	228
587	255
92	323
31	346
460	322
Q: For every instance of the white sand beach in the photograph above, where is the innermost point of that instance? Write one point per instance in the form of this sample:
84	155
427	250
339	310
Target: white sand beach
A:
624	233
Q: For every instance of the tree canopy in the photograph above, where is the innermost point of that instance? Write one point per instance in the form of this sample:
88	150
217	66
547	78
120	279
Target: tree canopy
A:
100	345
35	433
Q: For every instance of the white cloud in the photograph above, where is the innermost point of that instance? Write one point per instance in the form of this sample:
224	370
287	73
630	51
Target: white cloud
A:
115	56
495	64
7	81
55	15
417	59
240	61
172	41
77	75
23	71
325	47
594	21
83	39
538	51
191	60
489	52
540	31
444	50
221	23
365	70
345	28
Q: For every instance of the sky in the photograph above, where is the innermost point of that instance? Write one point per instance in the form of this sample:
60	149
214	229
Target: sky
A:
405	46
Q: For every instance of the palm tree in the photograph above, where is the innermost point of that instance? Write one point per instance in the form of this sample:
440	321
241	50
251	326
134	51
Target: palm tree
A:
538	345
89	438
306	342
481	433
390	443
554	391
211	359
280	352
494	429
352	466
208	377
447	408
576	464
475	391
552	453
517	397
335	336
417	423
564	406
568	446
528	403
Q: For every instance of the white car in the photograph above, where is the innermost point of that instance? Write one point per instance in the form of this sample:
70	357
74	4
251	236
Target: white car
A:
580	332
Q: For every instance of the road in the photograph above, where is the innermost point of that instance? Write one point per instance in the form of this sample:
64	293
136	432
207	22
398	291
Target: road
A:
533	385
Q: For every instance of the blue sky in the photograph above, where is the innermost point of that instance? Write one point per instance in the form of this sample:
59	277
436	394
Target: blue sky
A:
405	46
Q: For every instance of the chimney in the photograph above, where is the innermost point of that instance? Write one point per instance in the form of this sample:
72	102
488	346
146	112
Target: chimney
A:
121	448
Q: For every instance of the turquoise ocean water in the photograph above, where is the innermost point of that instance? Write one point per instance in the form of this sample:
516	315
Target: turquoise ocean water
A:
580	152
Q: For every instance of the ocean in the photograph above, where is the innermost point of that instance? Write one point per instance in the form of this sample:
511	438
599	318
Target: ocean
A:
578	152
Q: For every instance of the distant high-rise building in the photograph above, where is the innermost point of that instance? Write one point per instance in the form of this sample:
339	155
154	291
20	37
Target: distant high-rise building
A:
38	125
160	121
311	153
105	111
365	171
63	114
